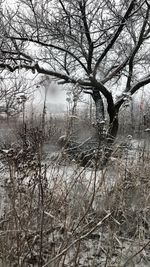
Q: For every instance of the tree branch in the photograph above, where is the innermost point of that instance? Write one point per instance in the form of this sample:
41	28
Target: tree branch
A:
88	36
36	20
137	47
42	70
100	87
24	39
144	81
119	30
67	14
39	69
116	71
18	53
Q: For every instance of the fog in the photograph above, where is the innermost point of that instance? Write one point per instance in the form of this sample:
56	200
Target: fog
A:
55	97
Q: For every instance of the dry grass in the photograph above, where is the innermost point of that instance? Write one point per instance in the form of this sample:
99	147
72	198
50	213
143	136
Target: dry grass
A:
58	214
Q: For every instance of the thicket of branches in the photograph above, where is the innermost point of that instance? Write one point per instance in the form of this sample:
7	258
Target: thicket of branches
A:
100	46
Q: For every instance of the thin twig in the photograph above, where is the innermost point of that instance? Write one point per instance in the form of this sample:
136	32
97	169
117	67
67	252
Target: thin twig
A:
138	252
77	240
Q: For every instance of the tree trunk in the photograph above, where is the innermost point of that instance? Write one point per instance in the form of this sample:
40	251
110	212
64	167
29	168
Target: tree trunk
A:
105	139
113	125
110	136
99	114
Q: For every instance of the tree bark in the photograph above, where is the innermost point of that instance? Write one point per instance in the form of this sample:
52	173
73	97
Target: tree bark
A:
105	139
99	113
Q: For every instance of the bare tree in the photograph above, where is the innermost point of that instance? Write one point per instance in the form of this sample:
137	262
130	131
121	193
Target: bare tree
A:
14	92
100	45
